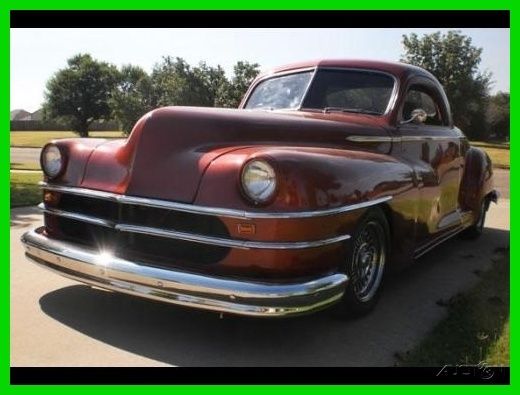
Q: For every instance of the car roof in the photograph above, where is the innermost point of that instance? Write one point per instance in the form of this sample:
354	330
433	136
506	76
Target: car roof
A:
396	68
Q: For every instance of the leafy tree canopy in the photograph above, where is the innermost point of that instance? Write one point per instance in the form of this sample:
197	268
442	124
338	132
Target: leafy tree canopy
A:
453	59
132	97
498	112
80	93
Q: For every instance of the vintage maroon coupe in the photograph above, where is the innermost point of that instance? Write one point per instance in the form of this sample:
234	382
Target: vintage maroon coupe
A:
328	174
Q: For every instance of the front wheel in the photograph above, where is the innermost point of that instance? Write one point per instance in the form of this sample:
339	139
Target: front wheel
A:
365	265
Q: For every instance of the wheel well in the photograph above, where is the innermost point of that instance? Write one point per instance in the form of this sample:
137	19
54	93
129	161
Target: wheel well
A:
387	211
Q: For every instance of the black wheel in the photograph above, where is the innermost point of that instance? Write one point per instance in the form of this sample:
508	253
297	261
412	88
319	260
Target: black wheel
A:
365	265
475	230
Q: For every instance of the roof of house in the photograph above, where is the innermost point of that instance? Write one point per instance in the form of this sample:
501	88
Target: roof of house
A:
18	114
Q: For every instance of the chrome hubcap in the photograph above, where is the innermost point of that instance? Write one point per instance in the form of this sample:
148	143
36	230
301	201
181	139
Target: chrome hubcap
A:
368	261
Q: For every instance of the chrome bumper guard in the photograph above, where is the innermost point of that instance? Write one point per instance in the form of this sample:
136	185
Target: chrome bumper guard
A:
187	289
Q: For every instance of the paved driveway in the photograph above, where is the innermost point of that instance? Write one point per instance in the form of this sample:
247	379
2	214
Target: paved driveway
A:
57	322
25	155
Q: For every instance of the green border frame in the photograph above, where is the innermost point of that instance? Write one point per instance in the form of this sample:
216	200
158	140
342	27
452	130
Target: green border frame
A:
8	5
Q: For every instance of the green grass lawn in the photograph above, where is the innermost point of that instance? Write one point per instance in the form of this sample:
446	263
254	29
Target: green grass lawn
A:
37	139
24	189
25	166
476	328
498	152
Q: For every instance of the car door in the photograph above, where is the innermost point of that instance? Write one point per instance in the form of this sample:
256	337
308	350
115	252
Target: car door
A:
433	150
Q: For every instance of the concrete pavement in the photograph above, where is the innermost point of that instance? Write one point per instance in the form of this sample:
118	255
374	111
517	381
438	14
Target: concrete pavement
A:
25	155
58	322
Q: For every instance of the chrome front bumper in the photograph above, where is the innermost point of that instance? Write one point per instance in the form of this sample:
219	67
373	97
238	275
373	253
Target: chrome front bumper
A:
187	289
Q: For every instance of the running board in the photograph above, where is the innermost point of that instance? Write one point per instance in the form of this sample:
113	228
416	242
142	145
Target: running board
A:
434	243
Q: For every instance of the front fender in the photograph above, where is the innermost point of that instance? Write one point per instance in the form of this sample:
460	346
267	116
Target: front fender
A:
308	178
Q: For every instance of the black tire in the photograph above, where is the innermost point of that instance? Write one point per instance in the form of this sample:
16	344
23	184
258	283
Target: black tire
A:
365	264
475	230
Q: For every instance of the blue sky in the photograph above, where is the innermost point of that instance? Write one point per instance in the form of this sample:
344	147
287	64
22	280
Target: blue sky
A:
37	53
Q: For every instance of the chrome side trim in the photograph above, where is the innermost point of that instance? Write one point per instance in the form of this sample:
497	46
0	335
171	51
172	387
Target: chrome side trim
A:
370	139
196	238
434	243
425	138
182	288
385	139
204	210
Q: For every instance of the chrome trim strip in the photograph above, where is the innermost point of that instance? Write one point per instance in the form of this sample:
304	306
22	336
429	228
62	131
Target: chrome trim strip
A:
182	288
385	139
311	81
203	210
196	238
187	208
77	217
370	139
243	244
434	243
425	138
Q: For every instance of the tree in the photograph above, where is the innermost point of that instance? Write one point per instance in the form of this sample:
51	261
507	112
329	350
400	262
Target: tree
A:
132	97
453	59
230	93
213	79
497	115
175	83
79	94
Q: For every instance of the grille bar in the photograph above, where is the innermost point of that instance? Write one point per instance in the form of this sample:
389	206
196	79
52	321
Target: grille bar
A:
172	234
215	211
78	217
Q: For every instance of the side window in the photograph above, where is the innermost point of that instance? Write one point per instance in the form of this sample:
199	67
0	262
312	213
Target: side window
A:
418	98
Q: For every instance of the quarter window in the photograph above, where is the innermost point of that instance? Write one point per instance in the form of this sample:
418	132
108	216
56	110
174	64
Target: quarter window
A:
418	98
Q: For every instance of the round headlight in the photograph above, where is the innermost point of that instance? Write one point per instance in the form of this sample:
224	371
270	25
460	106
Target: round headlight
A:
51	160
259	181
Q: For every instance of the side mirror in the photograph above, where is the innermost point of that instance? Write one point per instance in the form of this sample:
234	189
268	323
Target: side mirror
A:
418	116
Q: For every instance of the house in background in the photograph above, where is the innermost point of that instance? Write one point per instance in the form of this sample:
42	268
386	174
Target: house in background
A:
20	114
35	116
24	120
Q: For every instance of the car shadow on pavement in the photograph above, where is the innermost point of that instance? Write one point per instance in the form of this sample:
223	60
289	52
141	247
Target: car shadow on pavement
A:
179	336
24	216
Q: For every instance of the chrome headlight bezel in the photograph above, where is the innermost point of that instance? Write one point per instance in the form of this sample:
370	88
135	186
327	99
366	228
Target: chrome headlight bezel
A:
258	181
52	160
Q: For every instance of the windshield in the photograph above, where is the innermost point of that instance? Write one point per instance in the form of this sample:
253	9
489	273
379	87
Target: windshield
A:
330	90
280	92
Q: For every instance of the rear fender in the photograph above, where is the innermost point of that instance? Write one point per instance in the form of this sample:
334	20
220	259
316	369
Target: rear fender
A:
477	180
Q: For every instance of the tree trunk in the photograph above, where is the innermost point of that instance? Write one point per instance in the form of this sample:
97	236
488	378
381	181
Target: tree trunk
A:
83	129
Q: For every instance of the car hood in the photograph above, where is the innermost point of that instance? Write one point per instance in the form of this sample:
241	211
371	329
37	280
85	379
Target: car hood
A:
170	148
